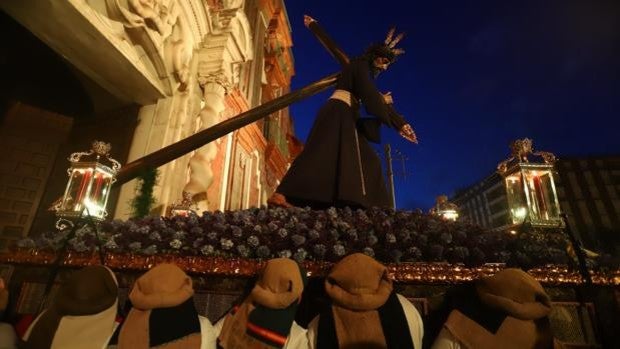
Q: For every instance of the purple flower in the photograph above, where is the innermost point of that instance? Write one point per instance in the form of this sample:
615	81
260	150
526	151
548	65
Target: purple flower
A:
79	246
261	216
151	250
415	253
243	251
111	244
372	240
197	242
344	226
331	212
387	223
298	239
362	216
477	255
334	234
460	236
263	251
285	254
445	238
176	244
196	231
212	236
258	229
313	234
436	252
207	250
26	243
155	236
253	241
339	250
227	244
300	255
282	233
319	250
144	230
237	232
396	255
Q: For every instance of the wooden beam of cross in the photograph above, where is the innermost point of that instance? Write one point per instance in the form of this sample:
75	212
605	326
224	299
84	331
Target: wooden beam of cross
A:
197	140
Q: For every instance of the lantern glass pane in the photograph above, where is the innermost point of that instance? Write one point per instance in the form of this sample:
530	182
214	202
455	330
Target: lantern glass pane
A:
517	201
77	190
540	188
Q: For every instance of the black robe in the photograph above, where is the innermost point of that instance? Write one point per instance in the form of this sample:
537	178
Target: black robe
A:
337	166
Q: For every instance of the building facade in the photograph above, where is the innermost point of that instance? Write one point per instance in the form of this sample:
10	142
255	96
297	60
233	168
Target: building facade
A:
588	190
149	74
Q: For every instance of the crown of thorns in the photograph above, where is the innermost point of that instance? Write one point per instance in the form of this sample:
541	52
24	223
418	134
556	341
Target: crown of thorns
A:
388	47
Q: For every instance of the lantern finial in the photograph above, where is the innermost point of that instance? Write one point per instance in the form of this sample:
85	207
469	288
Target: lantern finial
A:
520	149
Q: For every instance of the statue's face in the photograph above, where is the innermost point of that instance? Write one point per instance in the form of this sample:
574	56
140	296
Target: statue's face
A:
381	63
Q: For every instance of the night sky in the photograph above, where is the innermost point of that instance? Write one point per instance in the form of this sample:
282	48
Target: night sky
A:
476	75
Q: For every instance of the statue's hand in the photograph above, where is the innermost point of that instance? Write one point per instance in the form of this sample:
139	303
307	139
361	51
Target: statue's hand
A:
387	98
308	20
407	132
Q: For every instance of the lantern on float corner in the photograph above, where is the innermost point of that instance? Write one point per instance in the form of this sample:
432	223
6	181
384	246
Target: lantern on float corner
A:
530	186
185	208
89	184
445	209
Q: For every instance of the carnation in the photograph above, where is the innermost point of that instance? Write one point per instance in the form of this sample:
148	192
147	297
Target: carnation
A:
369	251
319	250
253	241
339	250
313	234
155	236
298	239
263	251
285	254
207	250
237	232
227	244
176	244
300	255
243	251
151	250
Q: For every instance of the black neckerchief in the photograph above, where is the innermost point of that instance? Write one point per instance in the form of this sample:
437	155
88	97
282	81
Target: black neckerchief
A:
485	316
393	321
170	324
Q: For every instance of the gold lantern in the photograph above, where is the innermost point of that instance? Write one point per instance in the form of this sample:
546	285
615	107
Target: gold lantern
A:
89	185
445	209
185	208
530	187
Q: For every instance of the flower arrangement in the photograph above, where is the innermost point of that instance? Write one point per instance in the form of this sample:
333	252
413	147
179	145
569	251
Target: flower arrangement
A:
317	235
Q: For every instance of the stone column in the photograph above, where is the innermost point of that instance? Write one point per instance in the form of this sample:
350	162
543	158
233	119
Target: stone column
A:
201	174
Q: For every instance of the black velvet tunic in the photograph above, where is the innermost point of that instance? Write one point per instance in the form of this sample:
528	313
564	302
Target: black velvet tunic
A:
338	167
